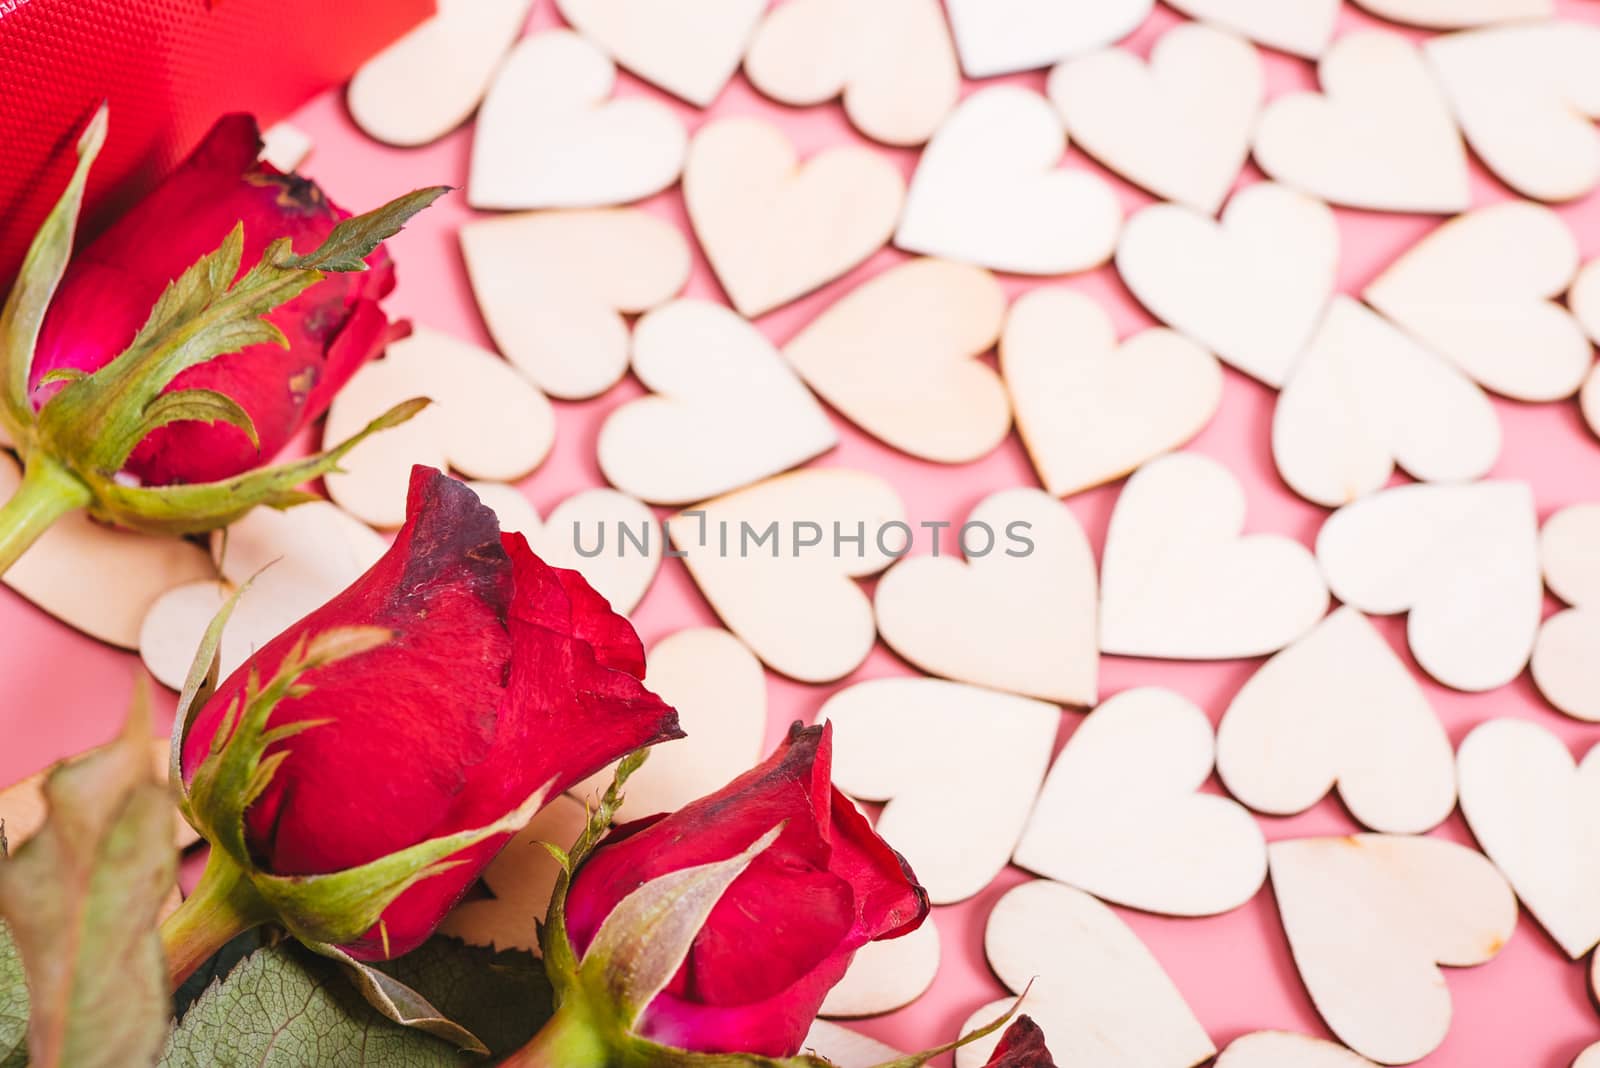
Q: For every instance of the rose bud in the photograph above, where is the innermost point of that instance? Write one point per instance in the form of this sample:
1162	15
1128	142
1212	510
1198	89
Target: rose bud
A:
1022	1046
763	891
356	775
148	378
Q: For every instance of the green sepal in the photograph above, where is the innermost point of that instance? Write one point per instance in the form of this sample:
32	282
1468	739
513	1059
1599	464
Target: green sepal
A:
353	240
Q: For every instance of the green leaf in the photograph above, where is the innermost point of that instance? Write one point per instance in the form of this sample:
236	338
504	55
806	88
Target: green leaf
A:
13	1004
352	241
197	406
219	966
285	1008
81	897
502	997
398	1002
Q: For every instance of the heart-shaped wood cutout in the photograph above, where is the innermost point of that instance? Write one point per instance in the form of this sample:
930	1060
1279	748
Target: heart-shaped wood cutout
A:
776	562
485	421
23	808
895	356
1380	135
1019	615
1589	1058
1090	411
1299	27
610	538
285	146
1463	560
550	136
98	579
1180	125
775	229
1098	993
1339	708
1563	663
892	61
1458	14
988	190
727	410
1178	581
1480	291
459	48
553	287
1003	36
1120	814
1536	814
911	741
1285	1049
1526	97
1365	397
1253	289
1370	918
688	50
844	1048
887	975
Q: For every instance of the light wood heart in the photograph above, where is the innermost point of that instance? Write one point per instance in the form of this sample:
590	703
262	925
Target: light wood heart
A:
1365	397
1180	125
1090	411
1536	813
1120	814
887	975
720	692
1019	615
1481	292
1098	993
1178	581
776	562
1458	14
553	287
1253	289
1589	1058
844	1048
1339	708
690	50
610	538
959	767
97	579
1004	36
285	146
988	190
550	136
23	807
896	357
1299	27
459	48
1526	96
1584	300
891	60
726	411
1380	135
485	421
1371	917
1564	666
1285	1049
1463	560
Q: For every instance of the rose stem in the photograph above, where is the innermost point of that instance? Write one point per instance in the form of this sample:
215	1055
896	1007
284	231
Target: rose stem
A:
567	1040
223	906
48	492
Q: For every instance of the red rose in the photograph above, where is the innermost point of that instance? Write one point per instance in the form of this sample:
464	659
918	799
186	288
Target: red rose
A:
1022	1047
502	674
107	293
785	930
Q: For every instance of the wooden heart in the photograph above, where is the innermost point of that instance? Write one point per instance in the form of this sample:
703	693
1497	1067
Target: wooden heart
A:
1589	1058
775	229
1300	27
887	975
1338	708
844	1048
95	578
688	50
1019	615
459	48
1380	135
1003	36
610	538
1480	291
1253	289
1090	411
1365	397
1458	14
1180	125
1463	560
891	61
911	741
895	356
1178	580
553	287
1563	662
486	421
1098	993
1526	96
1370	918
285	146
1536	813
988	191
1285	1049
550	136
1120	814
23	808
1584	300
776	562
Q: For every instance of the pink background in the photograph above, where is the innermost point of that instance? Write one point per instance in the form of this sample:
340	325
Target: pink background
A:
62	692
